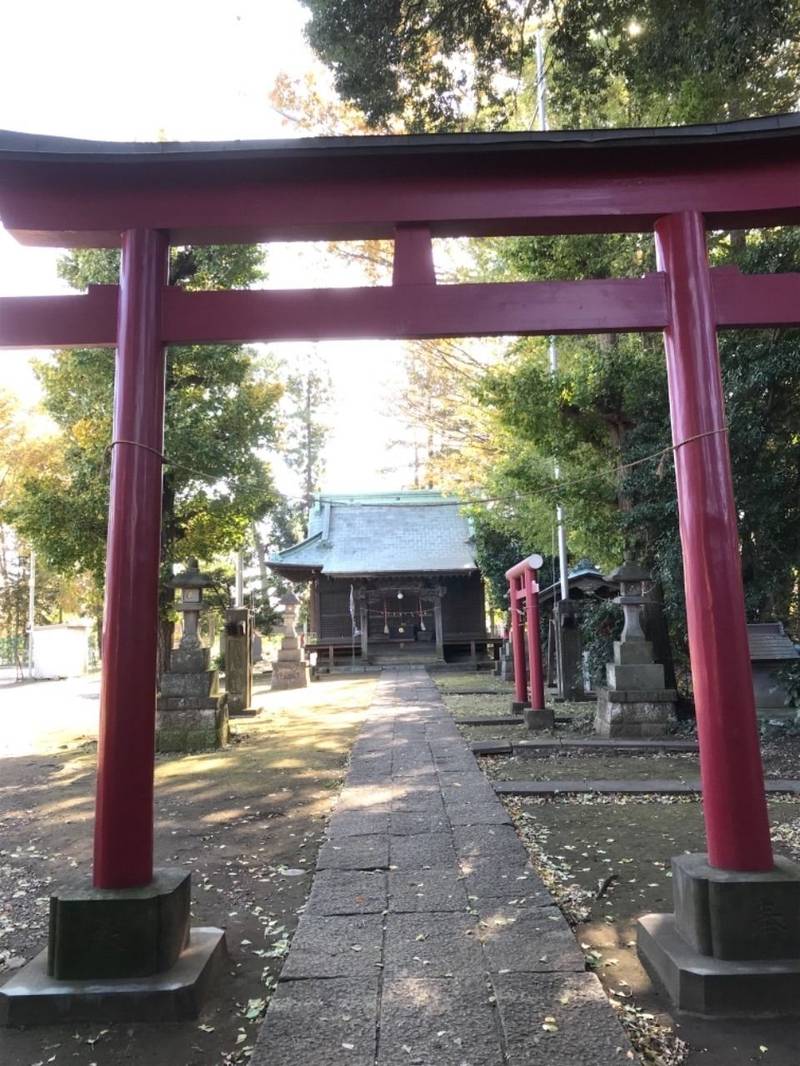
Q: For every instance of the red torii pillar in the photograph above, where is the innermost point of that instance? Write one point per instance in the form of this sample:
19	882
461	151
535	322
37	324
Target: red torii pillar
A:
733	779
123	834
528	677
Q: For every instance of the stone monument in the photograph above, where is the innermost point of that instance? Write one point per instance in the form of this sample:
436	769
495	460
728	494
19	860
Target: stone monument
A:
635	703
568	651
290	670
192	715
239	661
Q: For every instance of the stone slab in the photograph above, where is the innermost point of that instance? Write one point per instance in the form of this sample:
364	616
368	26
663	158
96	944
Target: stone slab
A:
189	660
348	892
199	686
32	997
432	945
429	849
715	988
432	889
319	1021
635	676
341	946
530	939
586	1030
636	744
487	879
413	799
355	853
441	1021
491	747
344	823
478	791
655	786
483	841
188	703
477	814
412	823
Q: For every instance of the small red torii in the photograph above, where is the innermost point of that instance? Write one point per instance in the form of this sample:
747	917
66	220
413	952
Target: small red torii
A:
523	588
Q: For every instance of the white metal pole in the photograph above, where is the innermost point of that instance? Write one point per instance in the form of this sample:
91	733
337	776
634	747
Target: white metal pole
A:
31	608
541	97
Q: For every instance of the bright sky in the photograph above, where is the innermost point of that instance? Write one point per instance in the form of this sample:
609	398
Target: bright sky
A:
181	70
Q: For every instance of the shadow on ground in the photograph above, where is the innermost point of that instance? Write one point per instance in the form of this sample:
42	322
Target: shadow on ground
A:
247	821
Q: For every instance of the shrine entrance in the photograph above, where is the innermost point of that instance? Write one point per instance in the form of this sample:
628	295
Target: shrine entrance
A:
676	182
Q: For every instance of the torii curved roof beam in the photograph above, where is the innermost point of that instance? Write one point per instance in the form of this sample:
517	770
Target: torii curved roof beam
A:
71	193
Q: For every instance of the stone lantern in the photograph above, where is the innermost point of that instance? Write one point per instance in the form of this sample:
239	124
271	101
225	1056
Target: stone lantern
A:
635	703
190	584
192	715
290	670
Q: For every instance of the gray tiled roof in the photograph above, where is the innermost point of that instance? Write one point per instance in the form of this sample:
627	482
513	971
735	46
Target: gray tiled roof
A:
769	641
406	532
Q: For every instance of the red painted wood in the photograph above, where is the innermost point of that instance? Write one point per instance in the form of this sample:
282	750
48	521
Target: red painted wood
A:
517	646
413	256
123	840
416	311
734	803
616	190
384	312
88	321
742	300
534	646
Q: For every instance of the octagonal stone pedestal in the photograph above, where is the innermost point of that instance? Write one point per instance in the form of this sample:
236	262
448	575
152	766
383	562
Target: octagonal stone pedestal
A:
634	712
732	947
117	955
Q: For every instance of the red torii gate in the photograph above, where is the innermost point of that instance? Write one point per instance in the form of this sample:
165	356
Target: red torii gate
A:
146	197
523	601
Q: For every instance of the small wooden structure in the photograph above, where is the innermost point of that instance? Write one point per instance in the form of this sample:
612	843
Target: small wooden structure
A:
393	580
771	648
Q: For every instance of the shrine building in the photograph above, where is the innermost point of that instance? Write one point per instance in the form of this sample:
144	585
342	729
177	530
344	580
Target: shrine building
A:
408	560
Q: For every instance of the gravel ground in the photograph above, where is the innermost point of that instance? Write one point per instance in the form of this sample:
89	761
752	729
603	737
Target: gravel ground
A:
247	821
607	861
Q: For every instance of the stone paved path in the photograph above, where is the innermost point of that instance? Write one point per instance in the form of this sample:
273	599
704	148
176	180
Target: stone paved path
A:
428	939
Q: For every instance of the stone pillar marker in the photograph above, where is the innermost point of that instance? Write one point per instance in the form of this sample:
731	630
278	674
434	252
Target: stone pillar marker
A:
239	661
290	669
569	667
636	702
191	714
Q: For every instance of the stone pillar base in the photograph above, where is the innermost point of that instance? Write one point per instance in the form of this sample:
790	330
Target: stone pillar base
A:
188	725
519	706
732	947
634	712
190	715
289	675
538	720
116	954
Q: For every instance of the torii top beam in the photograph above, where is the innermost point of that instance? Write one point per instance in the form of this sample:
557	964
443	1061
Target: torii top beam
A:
71	193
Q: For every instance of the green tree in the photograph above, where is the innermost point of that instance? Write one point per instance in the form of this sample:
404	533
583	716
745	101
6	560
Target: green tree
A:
439	65
220	411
